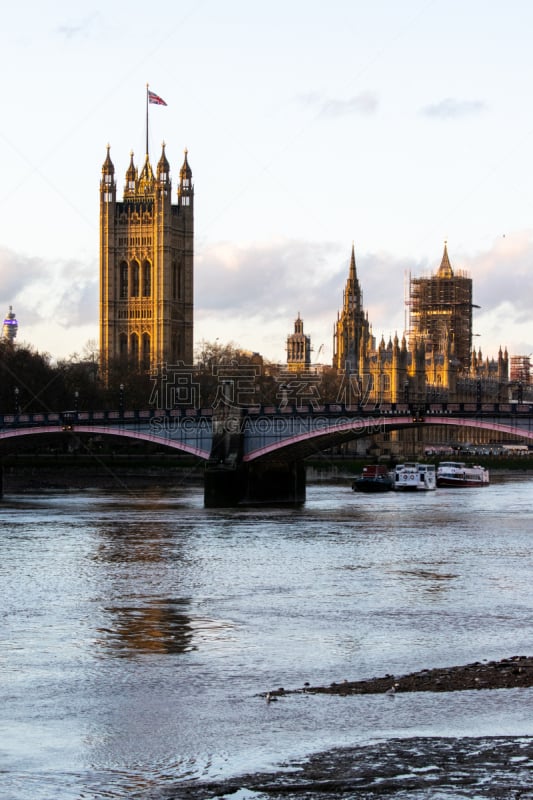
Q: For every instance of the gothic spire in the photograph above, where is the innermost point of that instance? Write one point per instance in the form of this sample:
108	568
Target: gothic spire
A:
445	269
147	174
353	272
353	294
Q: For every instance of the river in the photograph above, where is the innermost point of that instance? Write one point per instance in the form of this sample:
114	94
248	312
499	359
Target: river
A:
140	631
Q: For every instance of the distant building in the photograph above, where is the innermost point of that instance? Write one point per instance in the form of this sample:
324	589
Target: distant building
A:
521	369
146	267
440	312
298	348
434	363
10	326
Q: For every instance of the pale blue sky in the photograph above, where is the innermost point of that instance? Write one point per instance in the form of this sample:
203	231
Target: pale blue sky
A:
309	126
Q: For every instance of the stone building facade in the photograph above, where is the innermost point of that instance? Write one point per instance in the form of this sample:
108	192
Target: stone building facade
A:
146	267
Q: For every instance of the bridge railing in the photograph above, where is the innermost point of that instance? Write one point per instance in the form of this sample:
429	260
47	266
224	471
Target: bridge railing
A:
112	416
70	418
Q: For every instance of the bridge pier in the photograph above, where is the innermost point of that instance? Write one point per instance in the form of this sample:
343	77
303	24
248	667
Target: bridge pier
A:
230	481
254	484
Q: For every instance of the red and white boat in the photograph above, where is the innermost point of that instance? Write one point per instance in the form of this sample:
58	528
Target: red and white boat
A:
457	473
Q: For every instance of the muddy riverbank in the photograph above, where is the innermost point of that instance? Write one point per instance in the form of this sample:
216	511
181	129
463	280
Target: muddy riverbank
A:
398	769
508	673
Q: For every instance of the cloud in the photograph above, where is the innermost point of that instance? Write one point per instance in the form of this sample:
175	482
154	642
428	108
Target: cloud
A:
331	108
262	278
63	293
451	108
504	291
16	272
76	31
252	294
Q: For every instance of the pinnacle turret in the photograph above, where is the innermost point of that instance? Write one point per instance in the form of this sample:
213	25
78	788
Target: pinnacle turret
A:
185	171
108	167
131	175
185	187
163	167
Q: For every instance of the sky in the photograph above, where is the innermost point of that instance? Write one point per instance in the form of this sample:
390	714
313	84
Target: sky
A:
309	127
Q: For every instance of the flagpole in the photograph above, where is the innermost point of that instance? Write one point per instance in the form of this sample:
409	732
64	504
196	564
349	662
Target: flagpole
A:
147	120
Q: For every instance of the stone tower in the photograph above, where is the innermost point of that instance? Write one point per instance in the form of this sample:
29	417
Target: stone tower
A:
146	267
298	348
351	334
441	311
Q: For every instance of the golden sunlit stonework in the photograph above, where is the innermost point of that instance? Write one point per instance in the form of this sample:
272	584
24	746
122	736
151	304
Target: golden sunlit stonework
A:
298	348
435	362
146	267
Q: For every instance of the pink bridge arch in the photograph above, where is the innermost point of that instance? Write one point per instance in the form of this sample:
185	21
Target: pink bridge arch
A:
107	430
348	429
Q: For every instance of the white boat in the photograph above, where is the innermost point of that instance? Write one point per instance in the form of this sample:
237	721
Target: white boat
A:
457	473
413	476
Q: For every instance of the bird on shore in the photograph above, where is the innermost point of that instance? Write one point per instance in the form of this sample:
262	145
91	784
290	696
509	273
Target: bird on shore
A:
392	691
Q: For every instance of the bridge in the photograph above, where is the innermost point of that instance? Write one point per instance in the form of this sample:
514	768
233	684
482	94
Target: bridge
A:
256	454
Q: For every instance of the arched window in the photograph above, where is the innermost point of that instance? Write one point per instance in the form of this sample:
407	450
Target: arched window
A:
176	347
177	281
134	348
147	279
123	279
135	279
174	280
123	346
146	350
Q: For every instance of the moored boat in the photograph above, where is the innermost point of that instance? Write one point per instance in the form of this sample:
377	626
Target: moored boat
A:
413	476
374	478
457	473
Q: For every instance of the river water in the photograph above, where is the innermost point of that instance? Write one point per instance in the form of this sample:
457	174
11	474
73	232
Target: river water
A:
139	631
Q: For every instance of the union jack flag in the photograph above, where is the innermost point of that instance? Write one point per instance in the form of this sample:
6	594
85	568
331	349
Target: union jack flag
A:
154	98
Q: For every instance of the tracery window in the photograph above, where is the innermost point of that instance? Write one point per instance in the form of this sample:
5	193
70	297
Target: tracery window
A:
135	279
134	347
147	279
146	350
123	279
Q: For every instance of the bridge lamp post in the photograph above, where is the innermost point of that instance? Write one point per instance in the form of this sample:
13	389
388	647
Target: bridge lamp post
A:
479	393
76	399
17	400
121	400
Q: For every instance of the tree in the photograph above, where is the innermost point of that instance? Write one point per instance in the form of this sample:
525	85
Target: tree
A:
29	381
252	378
